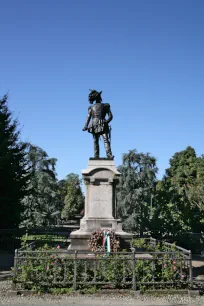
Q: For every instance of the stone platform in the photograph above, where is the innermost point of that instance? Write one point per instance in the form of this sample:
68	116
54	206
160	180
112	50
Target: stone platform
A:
100	178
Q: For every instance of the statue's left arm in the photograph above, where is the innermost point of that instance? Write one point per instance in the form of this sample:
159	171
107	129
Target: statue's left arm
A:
110	115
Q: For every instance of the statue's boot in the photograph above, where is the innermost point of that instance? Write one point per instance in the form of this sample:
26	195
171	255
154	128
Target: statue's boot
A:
107	146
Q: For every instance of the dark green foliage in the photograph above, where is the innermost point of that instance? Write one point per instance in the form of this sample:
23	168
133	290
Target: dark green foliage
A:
135	190
48	198
43	204
167	207
178	205
73	197
13	169
195	189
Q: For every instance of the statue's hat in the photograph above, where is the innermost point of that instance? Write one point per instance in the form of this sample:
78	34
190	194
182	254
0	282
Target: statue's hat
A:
94	94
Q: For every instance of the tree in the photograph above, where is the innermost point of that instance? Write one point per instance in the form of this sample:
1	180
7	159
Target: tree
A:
195	190
13	168
166	215
179	200
42	206
135	190
74	199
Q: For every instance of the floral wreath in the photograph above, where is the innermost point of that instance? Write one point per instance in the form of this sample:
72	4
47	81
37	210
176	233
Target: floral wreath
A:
103	240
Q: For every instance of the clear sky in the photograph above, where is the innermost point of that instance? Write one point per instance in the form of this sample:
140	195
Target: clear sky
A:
147	56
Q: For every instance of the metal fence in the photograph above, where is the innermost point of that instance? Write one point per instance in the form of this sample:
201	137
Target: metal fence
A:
168	246
52	269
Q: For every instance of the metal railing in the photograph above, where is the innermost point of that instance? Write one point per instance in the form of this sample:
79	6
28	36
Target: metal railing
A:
117	270
169	246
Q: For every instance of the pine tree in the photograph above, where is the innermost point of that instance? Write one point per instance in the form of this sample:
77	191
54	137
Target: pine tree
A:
13	169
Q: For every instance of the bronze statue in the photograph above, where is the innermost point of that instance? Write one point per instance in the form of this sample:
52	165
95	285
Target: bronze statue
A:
99	125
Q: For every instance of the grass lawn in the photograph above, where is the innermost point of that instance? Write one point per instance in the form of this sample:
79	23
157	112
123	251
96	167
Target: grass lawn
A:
45	237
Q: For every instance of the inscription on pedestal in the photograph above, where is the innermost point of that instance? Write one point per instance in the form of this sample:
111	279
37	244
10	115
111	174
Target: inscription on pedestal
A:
106	225
99	201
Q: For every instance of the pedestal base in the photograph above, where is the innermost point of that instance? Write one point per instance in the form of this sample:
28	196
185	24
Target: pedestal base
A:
100	178
80	238
91	224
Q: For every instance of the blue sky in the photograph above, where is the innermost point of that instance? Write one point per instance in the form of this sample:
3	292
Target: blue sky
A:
147	56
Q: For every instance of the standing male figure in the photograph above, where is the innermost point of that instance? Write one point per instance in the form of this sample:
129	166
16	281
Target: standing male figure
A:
99	125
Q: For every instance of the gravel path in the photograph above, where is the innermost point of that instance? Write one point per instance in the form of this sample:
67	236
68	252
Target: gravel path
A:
94	300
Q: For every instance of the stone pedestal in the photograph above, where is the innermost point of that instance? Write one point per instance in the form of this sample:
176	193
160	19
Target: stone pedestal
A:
100	178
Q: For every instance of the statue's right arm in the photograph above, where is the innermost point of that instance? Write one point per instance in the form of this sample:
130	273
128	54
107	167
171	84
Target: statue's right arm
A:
87	120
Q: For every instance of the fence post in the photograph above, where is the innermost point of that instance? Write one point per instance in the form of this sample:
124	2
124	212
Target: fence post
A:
94	279
190	268
75	271
133	270
15	269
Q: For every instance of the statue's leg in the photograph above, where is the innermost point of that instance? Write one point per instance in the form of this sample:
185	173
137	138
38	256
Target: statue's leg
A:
96	145
107	146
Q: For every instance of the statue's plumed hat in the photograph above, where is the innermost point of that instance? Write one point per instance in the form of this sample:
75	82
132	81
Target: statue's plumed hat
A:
94	94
